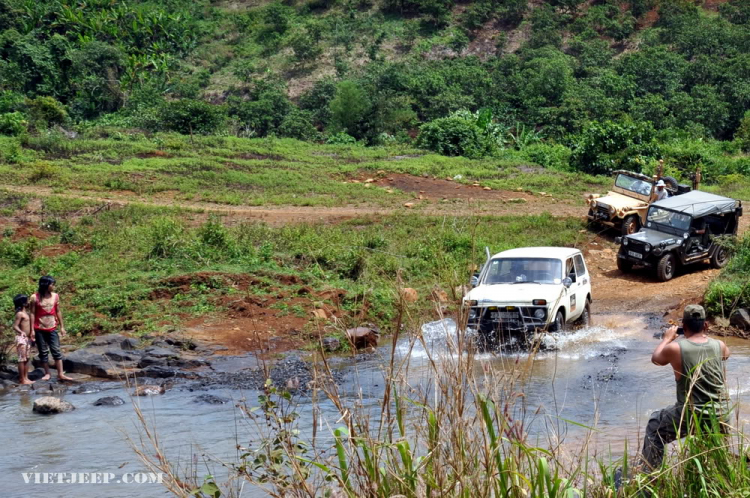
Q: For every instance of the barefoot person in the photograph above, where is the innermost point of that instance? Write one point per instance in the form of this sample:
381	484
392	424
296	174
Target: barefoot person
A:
698	363
24	339
46	317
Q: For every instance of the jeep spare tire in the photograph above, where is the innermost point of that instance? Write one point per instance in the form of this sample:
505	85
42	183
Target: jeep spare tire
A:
666	267
671	182
720	257
631	224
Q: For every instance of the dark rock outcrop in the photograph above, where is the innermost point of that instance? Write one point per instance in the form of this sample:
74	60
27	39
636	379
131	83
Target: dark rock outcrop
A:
740	319
211	399
109	401
363	337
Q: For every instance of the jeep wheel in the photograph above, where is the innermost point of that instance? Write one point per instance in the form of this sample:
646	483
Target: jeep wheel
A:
666	267
671	182
624	265
720	258
630	225
558	325
584	321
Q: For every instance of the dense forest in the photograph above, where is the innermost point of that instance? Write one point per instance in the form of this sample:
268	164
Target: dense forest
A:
567	84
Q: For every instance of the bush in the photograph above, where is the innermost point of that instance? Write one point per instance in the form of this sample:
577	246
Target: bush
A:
605	147
341	138
298	124
191	117
46	111
349	108
263	114
453	136
551	156
12	123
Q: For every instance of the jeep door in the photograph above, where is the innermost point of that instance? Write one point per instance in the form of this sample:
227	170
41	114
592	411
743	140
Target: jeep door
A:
576	295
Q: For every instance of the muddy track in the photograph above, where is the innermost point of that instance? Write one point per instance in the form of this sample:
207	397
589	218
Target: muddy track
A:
495	204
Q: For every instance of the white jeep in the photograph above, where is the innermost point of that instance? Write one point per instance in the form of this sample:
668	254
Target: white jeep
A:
530	289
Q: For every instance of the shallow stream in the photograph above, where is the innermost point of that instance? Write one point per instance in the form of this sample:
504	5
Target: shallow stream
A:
598	376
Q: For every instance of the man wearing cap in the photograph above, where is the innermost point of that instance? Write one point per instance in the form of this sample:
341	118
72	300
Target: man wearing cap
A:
699	371
661	191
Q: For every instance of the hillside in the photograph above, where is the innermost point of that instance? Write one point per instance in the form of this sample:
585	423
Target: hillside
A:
591	86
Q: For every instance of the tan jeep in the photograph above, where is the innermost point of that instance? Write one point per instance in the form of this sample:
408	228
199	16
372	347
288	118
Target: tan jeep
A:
625	206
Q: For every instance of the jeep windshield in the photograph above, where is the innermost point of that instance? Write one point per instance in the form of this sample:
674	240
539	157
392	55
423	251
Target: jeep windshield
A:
635	185
524	270
672	221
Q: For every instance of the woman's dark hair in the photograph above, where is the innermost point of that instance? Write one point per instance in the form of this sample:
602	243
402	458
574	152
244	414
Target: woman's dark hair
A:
44	284
20	301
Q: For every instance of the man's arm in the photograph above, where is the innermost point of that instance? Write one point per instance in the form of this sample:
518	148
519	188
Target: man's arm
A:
724	351
665	352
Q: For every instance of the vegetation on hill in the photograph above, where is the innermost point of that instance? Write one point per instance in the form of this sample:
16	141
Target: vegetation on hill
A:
570	84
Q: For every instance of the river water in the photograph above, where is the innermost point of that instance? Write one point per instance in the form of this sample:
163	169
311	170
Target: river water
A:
601	376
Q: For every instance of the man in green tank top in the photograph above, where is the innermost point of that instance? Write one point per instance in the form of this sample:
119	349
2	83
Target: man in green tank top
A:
698	363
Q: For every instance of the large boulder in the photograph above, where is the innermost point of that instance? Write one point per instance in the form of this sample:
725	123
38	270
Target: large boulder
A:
96	363
740	319
363	337
50	404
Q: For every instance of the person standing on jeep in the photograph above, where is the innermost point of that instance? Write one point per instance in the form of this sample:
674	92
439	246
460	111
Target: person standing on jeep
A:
661	191
699	368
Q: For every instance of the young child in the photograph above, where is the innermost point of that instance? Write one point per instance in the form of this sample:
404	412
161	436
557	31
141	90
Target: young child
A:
24	339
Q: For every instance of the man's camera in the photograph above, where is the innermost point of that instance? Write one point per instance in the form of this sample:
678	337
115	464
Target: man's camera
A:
680	331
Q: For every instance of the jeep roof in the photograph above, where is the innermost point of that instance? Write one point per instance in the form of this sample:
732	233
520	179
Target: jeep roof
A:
538	252
639	176
698	204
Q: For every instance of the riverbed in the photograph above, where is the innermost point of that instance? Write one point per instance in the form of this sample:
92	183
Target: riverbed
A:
600	376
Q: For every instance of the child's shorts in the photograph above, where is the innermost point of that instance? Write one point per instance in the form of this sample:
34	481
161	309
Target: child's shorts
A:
23	352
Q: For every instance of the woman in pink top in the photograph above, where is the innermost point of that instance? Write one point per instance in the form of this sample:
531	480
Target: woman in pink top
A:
46	317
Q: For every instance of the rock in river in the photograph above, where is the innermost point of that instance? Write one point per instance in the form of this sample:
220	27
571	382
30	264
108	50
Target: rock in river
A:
50	404
149	390
109	401
740	319
363	337
211	399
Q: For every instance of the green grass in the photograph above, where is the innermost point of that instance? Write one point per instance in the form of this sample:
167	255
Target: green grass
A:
257	172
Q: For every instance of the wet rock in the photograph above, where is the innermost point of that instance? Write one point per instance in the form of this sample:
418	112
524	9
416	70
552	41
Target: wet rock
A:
149	360
211	399
120	355
149	390
109	401
160	352
86	389
363	337
6	384
47	387
8	375
183	343
740	319
96	364
50	404
331	344
188	362
159	372
130	344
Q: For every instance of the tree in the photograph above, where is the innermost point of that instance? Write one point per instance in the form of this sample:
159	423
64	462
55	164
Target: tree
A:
349	108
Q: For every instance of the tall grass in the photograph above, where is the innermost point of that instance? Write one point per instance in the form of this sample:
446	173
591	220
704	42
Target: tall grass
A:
460	429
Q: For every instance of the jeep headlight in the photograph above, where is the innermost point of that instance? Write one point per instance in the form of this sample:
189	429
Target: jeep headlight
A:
472	313
539	314
611	210
624	241
648	247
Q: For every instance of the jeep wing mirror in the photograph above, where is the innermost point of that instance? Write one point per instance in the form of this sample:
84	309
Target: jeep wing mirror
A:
474	281
567	282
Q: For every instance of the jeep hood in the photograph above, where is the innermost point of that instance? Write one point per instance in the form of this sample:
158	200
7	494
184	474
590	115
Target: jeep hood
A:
654	237
514	293
620	201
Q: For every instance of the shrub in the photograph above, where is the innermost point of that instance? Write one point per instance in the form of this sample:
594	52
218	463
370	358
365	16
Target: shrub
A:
46	111
453	136
305	47
551	156
188	116
264	112
341	138
165	237
604	147
42	170
12	123
349	107
298	124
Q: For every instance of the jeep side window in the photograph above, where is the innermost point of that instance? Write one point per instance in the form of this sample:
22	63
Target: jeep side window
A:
580	266
570	270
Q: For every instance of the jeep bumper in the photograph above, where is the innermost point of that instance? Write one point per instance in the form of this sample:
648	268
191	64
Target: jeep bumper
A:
507	319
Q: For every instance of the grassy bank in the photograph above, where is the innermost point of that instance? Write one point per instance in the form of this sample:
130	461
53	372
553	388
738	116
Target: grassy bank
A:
731	289
142	269
258	172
